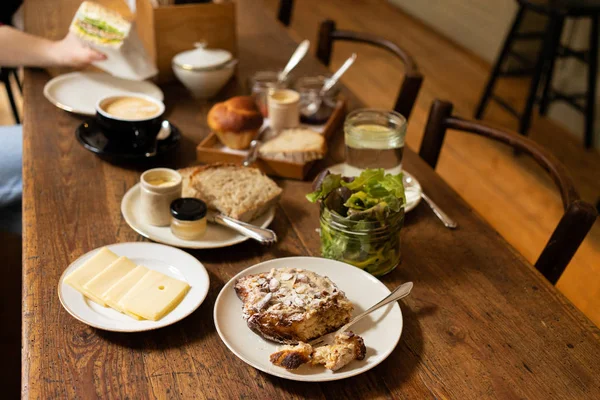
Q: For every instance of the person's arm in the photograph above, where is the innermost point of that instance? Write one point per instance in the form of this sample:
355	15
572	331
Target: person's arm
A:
20	49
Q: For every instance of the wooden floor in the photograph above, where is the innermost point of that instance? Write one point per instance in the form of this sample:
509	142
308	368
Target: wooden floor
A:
511	193
514	195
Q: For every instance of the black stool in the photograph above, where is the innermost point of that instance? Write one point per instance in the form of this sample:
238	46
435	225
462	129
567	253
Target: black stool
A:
5	74
541	72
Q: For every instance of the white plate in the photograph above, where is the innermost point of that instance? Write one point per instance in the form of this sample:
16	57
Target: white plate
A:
412	190
381	330
167	260
216	235
78	92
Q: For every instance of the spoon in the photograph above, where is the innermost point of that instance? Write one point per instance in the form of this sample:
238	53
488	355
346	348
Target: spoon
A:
294	60
397	294
163	133
313	107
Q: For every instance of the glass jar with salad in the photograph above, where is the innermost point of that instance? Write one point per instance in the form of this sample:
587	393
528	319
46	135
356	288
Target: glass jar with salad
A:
361	218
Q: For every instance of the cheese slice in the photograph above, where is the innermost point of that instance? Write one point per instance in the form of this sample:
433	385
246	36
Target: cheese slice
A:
116	292
92	267
108	277
154	296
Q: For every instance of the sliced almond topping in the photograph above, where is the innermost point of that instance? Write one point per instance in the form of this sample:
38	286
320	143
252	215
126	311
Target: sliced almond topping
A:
264	301
273	284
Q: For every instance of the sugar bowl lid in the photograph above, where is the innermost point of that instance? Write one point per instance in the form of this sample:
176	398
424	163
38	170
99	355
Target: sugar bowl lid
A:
202	58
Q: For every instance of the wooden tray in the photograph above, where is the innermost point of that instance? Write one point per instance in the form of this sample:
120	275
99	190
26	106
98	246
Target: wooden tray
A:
211	150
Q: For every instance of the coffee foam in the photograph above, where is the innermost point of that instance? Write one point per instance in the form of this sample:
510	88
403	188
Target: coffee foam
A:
131	108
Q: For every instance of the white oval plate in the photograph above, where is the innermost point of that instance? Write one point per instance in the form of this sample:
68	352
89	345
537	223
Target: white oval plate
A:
167	260
216	235
412	189
381	330
78	92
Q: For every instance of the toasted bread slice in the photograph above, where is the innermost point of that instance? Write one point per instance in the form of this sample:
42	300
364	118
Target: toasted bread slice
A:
295	145
291	305
243	193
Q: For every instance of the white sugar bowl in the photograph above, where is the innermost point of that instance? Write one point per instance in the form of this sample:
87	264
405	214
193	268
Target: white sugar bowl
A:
204	72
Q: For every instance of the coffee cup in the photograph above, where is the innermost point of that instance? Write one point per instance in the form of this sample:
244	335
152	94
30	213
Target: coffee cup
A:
134	119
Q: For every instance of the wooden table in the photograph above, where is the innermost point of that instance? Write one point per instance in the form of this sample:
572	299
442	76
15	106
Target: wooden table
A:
481	322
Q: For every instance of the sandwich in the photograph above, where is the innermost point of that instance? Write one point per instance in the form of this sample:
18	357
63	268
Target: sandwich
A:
112	34
99	25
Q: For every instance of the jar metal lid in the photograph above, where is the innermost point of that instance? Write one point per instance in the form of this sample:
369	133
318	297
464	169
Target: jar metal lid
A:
188	209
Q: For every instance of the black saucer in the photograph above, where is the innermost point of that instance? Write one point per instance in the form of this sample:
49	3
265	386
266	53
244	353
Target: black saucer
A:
90	135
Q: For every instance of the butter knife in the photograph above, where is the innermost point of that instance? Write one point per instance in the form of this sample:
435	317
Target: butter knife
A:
253	149
262	235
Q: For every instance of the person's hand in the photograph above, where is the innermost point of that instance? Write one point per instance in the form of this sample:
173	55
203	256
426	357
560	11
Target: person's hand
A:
72	52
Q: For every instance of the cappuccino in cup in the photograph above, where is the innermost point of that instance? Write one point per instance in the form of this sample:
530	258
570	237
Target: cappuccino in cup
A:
132	119
131	108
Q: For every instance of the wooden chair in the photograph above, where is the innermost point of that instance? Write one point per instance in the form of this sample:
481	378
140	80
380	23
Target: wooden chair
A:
541	70
579	216
286	8
412	77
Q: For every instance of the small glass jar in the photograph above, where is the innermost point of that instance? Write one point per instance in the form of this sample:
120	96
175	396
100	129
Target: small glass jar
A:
314	108
160	186
375	139
188	218
373	246
259	85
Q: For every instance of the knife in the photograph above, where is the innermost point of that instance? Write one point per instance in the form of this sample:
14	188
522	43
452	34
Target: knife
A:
262	235
254	146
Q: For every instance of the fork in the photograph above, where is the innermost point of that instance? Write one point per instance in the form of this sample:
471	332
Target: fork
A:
397	294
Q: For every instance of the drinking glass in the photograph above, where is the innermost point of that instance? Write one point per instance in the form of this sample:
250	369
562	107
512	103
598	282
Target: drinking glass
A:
314	108
375	139
259	85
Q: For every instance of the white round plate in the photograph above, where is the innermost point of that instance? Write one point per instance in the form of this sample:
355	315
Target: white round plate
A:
381	330
216	235
78	92
412	187
167	260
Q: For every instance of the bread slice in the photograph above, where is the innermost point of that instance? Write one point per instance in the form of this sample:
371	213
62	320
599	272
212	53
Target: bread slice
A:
243	193
291	305
295	145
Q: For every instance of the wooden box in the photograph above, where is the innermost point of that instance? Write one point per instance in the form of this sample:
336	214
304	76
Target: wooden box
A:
211	150
168	30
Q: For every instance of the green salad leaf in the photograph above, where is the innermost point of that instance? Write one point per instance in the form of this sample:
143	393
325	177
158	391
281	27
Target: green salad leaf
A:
368	175
102	25
369	189
361	201
330	183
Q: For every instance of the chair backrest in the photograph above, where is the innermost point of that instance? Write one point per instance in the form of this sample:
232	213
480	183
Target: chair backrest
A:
412	77
579	216
286	8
